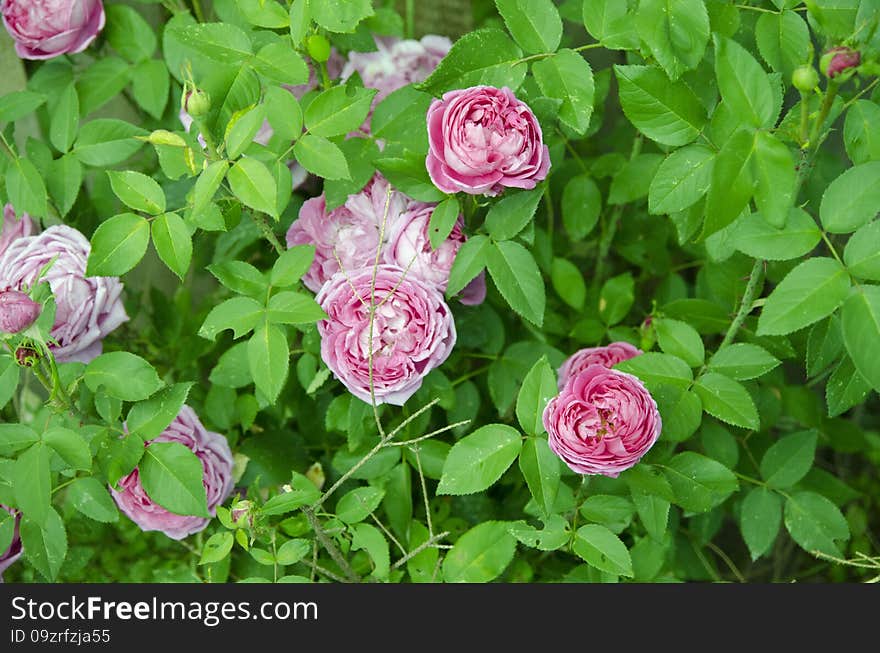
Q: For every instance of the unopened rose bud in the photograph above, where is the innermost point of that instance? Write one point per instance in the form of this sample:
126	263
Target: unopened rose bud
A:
17	311
239	510
805	78
196	102
26	356
318	47
838	61
163	137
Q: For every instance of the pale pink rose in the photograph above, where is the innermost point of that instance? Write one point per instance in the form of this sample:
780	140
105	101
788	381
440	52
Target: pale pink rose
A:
349	234
413	332
482	139
43	29
13	551
14	227
87	308
602	422
17	311
607	356
211	449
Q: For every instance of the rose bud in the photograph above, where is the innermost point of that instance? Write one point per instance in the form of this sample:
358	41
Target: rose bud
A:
13	551
87	308
195	101
17	311
602	422
483	139
413	332
14	227
347	236
211	449
26	356
607	356
838	61
318	47
805	78
43	29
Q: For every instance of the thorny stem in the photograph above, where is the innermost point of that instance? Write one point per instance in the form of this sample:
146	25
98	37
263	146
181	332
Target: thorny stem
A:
431	541
746	304
328	545
260	220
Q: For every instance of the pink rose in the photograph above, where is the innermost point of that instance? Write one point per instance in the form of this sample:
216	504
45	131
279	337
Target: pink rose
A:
482	139
43	29
13	551
14	227
87	308
212	450
602	422
17	311
413	332
347	236
607	356
840	59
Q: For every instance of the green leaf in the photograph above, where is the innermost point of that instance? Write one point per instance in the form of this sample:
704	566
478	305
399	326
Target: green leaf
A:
609	23
370	539
860	321
44	543
71	446
468	263
824	345
241	314
478	460
291	265
615	513
653	511
699	483
300	20
321	157
745	87
602	549
759	520
480	555
845	388
338	110
742	361
732	182
123	375
681	180
241	277
409	175
680	339
727	400
293	551
65	179
137	191
486	56
150	86
19	104
216	548
655	369
268	359
616	298
535	24
568	282
783	40
667	112
851	200
538	388
242	128
106	142
101	82
552	537
25	188
172	476
118	245
32	483
754	236
774	174
815	523
9	378
568	77
511	214
676	32
581	206
173	242
811	291
443	219
302	493
208	183
861	132
220	42
862	256
340	15
280	63
541	470
150	417
400	118
789	459
253	184
515	273
294	308
129	34
356	506
90	497
15	437
283	113
65	119
263	13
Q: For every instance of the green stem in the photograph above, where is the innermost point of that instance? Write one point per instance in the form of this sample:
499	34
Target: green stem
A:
827	103
197	9
267	231
410	18
745	306
328	545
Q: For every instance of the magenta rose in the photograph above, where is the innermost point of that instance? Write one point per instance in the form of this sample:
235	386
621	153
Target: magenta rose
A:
13	551
43	29
602	422
87	308
211	449
482	139
14	227
413	332
17	311
607	356
347	236
840	59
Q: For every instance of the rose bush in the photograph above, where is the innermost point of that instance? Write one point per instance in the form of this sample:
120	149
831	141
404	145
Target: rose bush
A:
324	291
